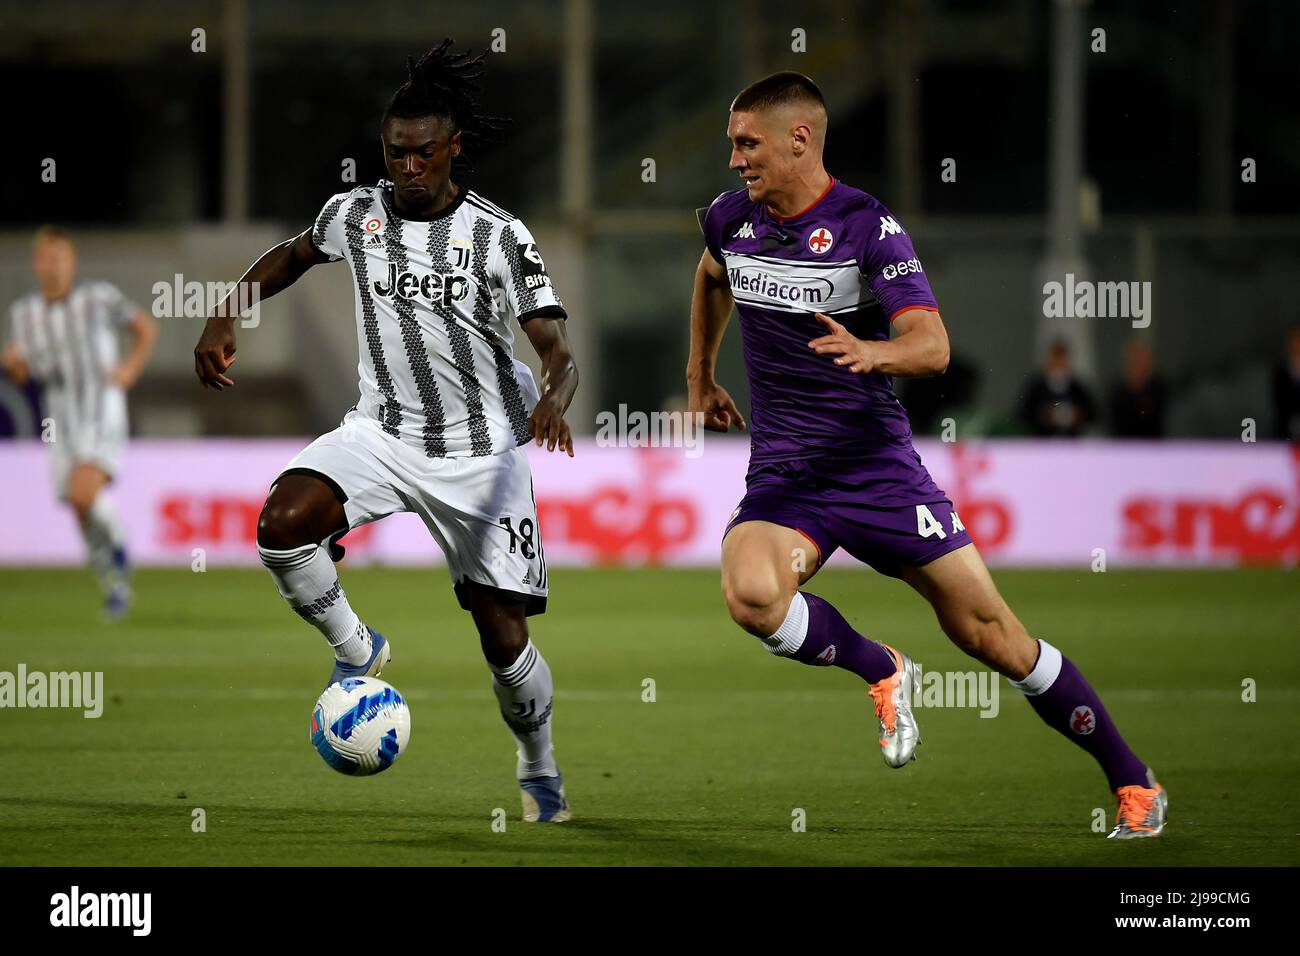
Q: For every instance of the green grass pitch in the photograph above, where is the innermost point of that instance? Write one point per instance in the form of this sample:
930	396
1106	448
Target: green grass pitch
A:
210	685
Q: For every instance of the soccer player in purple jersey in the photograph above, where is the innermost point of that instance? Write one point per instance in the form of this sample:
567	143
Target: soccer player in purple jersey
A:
819	271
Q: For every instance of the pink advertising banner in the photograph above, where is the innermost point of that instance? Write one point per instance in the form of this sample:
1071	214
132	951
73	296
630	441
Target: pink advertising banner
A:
1025	503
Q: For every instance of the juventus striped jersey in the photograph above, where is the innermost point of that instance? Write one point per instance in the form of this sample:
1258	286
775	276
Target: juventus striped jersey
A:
71	346
433	303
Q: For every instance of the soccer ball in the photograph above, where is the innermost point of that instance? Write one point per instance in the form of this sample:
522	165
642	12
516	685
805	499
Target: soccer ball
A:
360	725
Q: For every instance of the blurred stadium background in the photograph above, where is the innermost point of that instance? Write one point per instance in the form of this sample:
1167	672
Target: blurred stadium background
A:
191	163
1123	165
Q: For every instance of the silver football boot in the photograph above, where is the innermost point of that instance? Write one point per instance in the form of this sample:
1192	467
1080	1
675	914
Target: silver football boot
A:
1142	811
899	734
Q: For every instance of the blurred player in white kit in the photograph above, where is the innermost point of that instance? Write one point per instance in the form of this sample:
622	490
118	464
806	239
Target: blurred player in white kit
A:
65	337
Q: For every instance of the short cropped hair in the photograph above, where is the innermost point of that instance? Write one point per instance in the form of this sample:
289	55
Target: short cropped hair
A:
779	89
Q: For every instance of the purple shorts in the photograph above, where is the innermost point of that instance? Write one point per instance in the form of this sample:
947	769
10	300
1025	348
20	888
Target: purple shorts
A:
831	505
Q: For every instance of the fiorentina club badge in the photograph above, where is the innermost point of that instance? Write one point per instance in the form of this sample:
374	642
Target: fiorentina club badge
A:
1083	721
820	240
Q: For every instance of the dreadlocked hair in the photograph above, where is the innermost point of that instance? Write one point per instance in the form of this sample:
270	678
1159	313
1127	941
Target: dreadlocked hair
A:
446	84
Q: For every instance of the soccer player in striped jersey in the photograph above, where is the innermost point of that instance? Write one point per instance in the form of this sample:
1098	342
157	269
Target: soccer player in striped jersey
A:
65	336
819	272
440	277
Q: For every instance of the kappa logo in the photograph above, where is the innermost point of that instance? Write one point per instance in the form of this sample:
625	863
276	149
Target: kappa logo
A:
826	657
888	227
746	231
1083	721
821	240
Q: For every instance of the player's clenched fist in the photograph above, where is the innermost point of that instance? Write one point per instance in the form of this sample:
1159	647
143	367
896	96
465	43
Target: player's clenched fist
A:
215	353
716	405
853	353
547	425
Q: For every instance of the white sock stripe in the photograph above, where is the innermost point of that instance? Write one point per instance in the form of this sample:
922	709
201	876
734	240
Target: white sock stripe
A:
512	681
522	675
272	554
789	637
519	671
288	560
1044	674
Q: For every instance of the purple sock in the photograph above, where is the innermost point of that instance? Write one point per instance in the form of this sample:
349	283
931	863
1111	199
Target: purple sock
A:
1066	702
832	640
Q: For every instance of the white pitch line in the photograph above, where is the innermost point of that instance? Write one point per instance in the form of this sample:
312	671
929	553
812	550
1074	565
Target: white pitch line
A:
633	696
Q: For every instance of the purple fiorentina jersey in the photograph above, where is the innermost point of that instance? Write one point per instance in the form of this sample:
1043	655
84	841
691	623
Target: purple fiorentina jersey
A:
846	256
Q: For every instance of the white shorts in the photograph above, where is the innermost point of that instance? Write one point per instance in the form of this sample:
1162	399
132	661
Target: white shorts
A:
95	439
481	511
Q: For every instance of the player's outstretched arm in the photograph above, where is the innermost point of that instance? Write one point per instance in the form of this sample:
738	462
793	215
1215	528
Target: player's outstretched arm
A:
144	335
711	304
550	338
920	348
277	269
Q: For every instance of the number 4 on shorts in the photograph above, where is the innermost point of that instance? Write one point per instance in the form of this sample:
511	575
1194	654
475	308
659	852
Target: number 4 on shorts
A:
927	525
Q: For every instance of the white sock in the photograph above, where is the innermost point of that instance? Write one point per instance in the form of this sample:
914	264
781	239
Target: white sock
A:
525	693
103	535
789	637
1044	674
307	580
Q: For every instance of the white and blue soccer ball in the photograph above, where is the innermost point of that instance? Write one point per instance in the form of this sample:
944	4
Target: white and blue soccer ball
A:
360	725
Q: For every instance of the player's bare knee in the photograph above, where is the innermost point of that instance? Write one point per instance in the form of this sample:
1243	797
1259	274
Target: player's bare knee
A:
502	636
760	621
502	648
501	622
757	609
283	526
